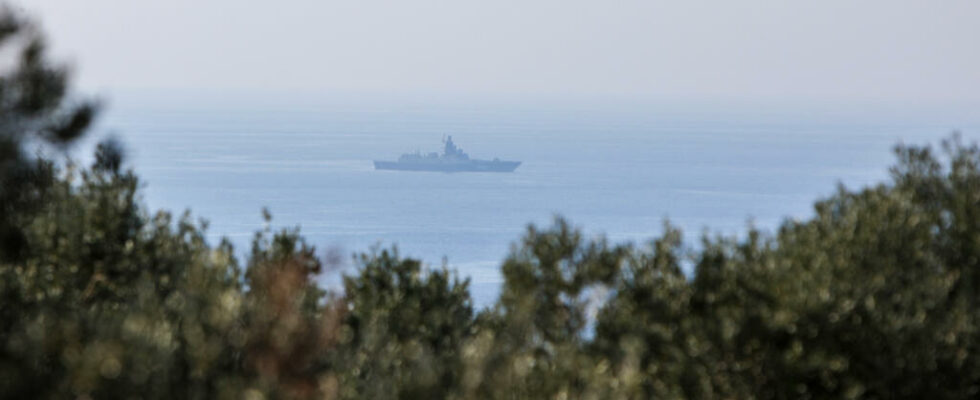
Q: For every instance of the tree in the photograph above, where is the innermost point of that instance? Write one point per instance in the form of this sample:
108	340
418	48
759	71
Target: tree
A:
404	332
35	106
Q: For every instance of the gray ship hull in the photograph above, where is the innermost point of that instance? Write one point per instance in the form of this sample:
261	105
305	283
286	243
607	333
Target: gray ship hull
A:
449	166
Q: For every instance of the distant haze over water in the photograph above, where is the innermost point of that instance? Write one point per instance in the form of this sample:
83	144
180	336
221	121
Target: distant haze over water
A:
617	171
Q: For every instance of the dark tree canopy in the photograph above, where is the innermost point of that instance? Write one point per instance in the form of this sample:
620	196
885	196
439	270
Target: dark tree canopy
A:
35	107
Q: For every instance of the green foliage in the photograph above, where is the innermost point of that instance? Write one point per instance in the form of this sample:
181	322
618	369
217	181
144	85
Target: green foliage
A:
111	302
871	298
531	343
404	329
34	108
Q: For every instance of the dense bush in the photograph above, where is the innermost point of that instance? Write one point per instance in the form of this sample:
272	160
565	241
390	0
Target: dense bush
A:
875	296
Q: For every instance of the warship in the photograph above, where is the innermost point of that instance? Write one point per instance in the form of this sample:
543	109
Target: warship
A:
452	159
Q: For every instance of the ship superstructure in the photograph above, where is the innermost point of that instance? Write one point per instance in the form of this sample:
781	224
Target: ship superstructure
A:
452	159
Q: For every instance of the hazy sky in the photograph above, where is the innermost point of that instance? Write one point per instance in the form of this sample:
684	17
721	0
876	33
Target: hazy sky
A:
899	50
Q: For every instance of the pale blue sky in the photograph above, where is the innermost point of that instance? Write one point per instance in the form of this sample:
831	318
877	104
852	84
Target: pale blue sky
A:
833	50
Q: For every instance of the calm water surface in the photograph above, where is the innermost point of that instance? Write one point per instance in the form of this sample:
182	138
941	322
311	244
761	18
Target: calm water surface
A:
619	174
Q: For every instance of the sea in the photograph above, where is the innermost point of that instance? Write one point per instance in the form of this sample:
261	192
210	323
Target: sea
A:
616	169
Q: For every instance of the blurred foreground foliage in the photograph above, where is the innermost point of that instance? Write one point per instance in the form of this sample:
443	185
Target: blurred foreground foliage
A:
875	296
